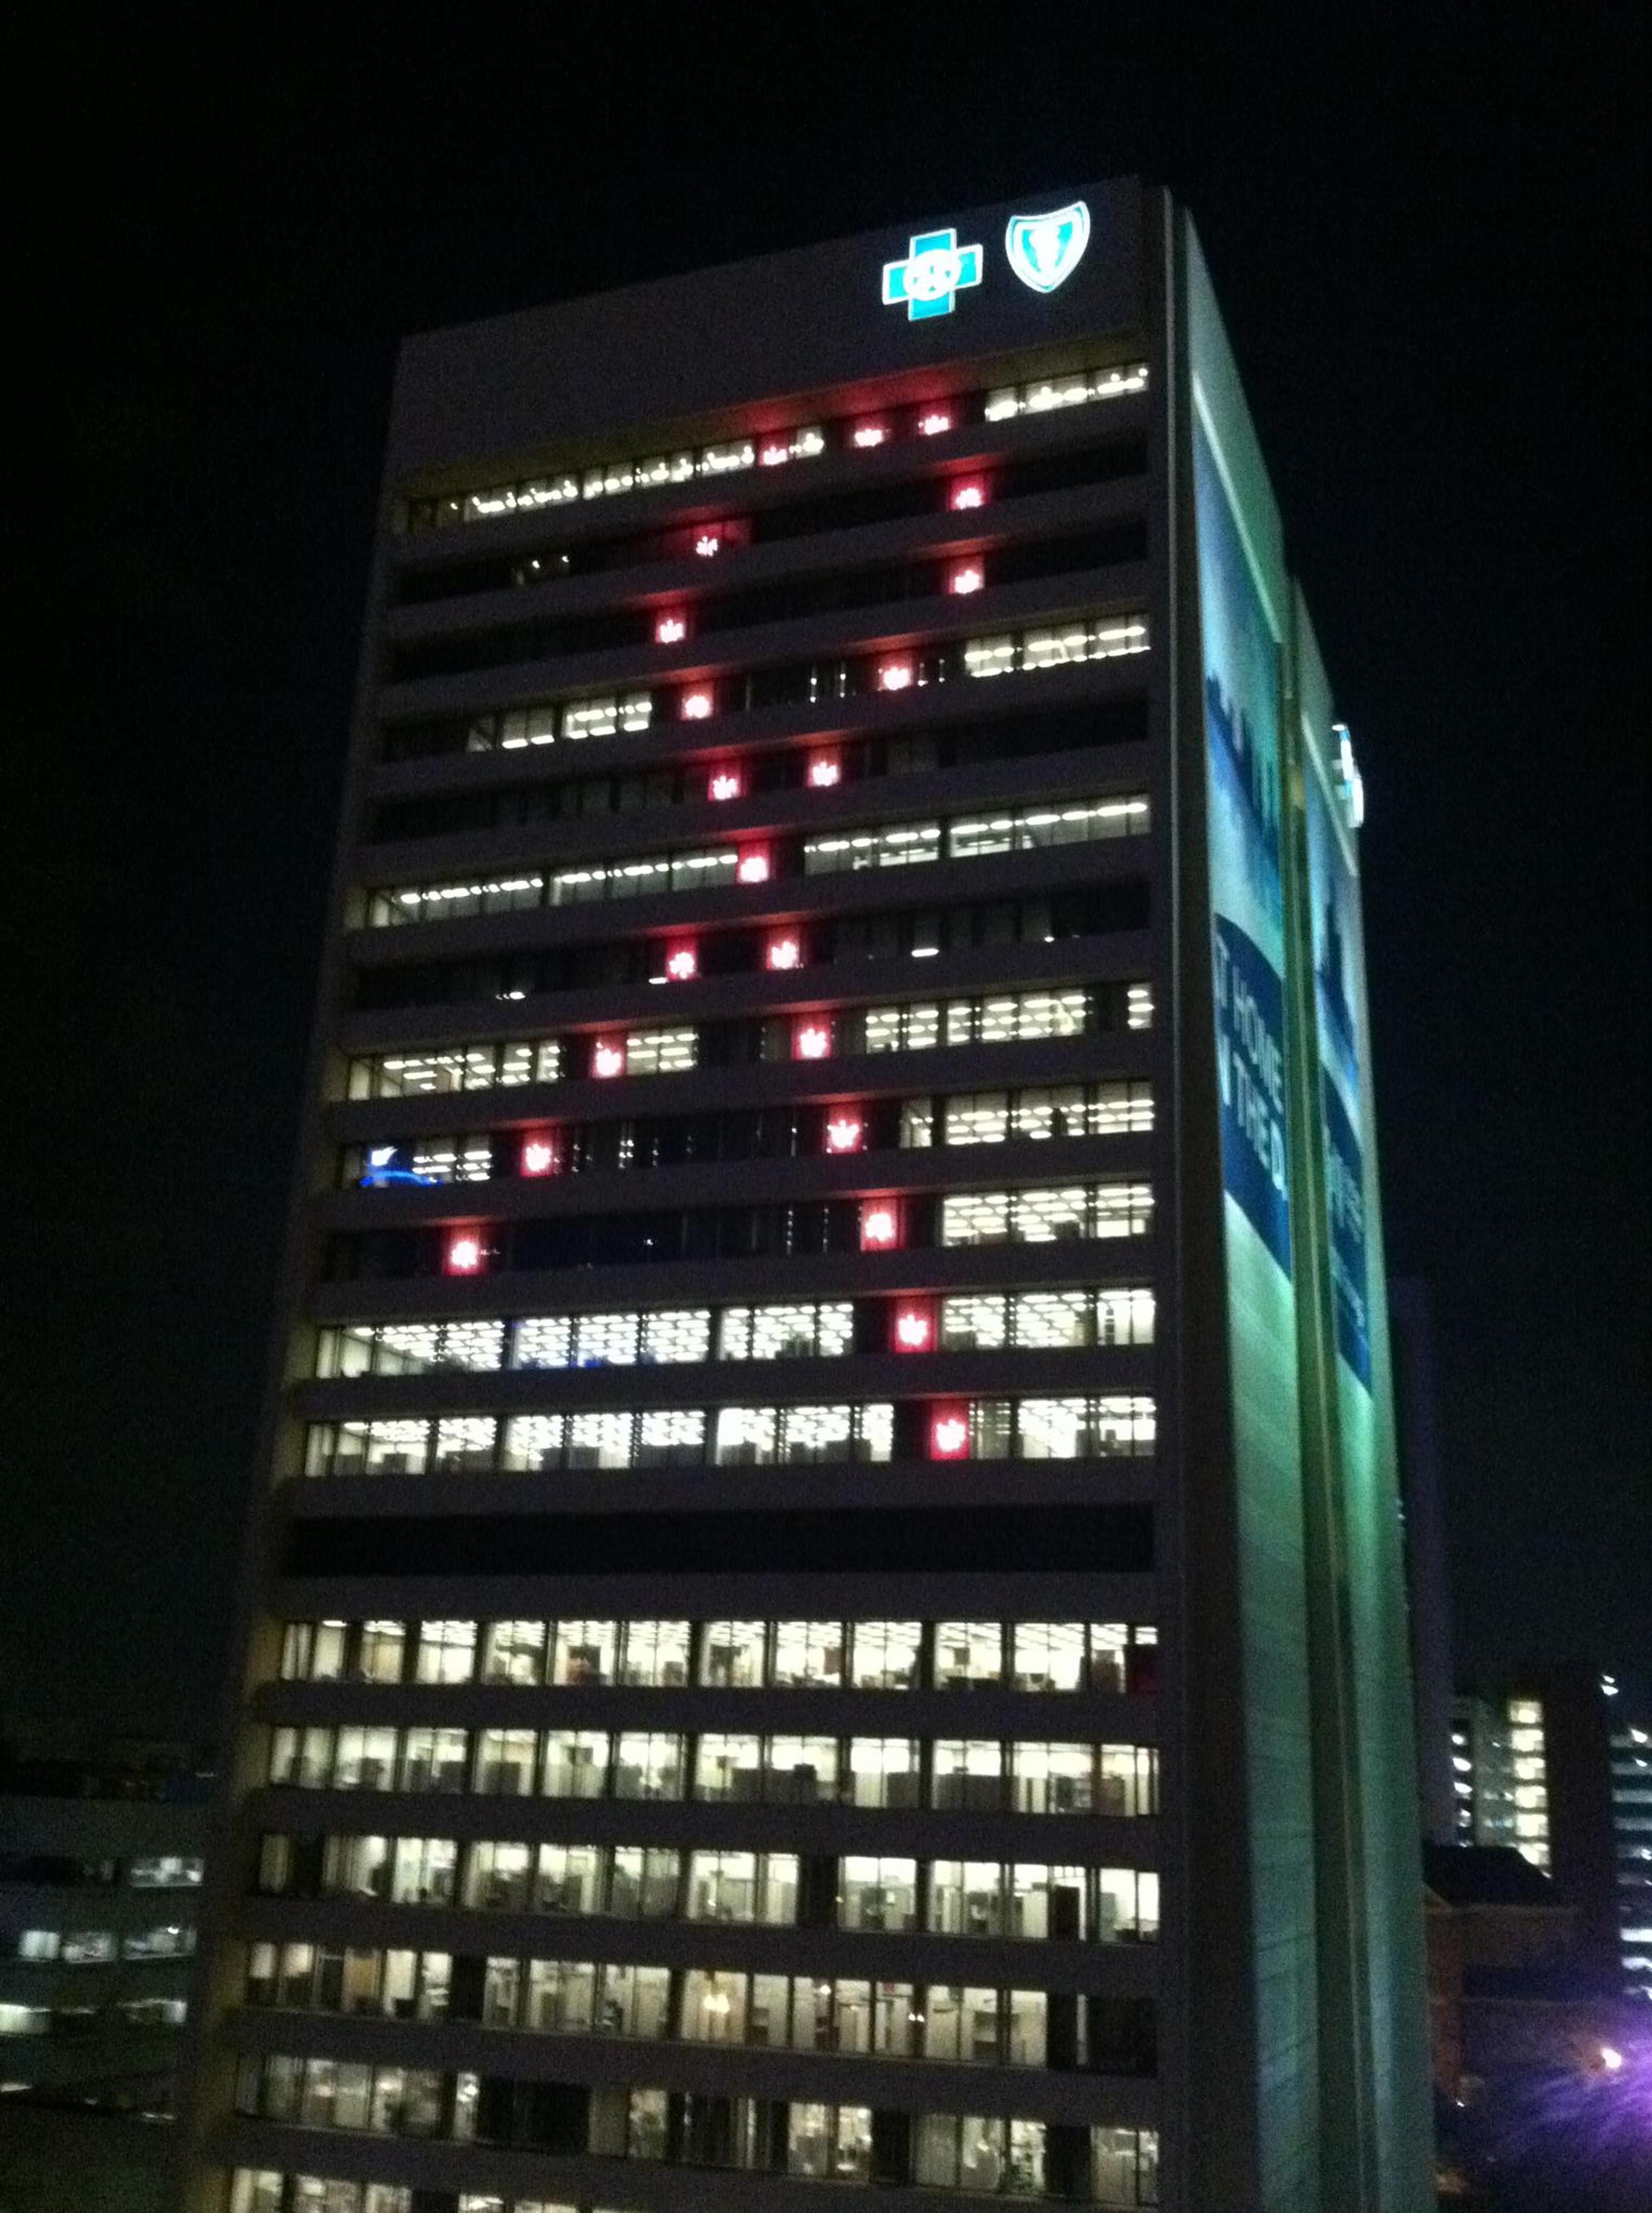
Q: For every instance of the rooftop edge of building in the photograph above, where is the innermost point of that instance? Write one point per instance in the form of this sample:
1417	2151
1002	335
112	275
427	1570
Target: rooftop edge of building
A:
808	321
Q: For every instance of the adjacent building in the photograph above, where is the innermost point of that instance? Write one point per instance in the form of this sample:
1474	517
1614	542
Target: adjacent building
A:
1631	1823
827	1613
101	1878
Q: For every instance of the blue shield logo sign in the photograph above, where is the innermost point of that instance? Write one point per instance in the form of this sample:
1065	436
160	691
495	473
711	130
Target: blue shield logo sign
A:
1044	250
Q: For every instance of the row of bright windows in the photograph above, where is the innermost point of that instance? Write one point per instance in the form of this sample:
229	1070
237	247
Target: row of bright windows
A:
971	837
978	2153
18	2020
1111	1656
806	684
1113	1108
771	449
1112	1426
810	1329
1024	1901
88	1947
718	1767
921	1026
968	2023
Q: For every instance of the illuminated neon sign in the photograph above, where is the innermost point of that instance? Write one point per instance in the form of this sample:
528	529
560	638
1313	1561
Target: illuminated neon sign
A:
936	269
1044	250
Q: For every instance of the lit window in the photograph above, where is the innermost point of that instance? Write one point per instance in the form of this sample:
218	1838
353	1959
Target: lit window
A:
725	783
811	1040
542	1153
774	452
607	1057
867	435
967	576
825	769
895	675
914	1328
465	1253
752	866
934	421
949	1432
967	492
879	1225
696	705
670	629
682	963
844	1131
783	952
709	543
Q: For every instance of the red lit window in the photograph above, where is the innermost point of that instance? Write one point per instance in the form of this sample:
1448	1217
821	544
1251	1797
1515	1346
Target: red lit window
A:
896	673
465	1253
773	452
913	1329
707	543
934	420
752	866
844	1131
949	1432
965	576
696	705
608	1057
825	769
866	435
784	951
811	1039
541	1152
670	629
725	783
682	963
967	492
879	1225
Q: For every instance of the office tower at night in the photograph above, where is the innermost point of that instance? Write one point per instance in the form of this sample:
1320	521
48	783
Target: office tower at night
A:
827	1615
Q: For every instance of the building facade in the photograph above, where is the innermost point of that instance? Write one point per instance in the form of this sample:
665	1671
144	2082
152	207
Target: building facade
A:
828	1609
1631	1824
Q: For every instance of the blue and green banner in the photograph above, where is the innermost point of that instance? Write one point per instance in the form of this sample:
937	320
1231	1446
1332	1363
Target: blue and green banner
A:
1241	715
1339	983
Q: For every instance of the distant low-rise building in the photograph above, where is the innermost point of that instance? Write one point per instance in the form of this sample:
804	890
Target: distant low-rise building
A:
101	1872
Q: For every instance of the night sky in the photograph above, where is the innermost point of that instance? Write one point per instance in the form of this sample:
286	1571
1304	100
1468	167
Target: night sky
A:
1426	238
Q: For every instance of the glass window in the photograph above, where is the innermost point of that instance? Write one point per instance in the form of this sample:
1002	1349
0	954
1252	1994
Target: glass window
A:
877	1893
585	1652
515	1652
735	1655
505	1759
1049	1655
570	1878
544	1342
434	1759
677	1337
728	1768
882	1771
649	1766
801	1771
808	1652
886	1655
967	1652
447	1651
534	1443
968	1774
575	1763
656	1654
974	1322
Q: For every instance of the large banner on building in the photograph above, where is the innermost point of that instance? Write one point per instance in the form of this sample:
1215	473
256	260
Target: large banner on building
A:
1241	713
1338	986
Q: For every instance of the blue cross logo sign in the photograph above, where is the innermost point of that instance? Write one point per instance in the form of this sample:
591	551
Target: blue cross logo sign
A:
935	271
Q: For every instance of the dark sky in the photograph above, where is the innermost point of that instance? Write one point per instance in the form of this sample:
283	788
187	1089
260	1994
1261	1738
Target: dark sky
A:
1424	227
